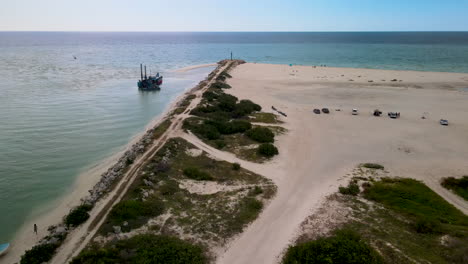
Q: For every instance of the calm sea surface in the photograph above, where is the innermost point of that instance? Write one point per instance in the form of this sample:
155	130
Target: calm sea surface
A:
60	116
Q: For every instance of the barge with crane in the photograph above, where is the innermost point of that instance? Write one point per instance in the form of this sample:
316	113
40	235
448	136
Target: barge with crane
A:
149	83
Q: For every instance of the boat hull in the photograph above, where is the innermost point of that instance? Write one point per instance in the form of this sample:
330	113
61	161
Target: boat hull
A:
4	248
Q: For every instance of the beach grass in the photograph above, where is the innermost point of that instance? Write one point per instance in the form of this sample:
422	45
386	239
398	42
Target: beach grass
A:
458	186
262	117
409	222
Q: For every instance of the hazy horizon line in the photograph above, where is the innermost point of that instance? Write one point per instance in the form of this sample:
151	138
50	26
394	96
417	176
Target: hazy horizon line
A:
270	31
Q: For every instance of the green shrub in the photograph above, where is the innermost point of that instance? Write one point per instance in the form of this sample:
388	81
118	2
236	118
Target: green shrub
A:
352	189
207	131
78	215
373	166
459	186
196	174
343	247
220	144
143	249
244	108
227	102
427	226
128	210
236	166
210	96
261	134
220	85
170	187
256	191
228	128
267	150
39	254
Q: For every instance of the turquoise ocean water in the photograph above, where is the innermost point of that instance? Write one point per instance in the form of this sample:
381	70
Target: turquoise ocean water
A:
60	116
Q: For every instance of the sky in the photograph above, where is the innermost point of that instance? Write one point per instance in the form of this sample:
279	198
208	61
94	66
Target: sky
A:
234	15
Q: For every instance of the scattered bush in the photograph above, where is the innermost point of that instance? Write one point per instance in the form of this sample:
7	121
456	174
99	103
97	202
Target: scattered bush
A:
220	144
427	226
236	166
220	85
228	128
144	249
267	150
162	167
170	187
352	189
78	215
261	134
227	102
39	254
244	108
207	131
459	186
210	96
256	191
373	166
196	174
128	210
344	247
128	161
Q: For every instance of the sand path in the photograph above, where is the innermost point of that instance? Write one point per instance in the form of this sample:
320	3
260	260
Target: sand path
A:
320	150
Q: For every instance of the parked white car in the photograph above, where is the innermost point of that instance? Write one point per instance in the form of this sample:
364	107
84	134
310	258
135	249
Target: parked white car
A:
443	122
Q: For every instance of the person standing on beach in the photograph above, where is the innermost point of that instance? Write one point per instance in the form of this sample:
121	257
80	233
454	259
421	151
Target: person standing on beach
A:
35	229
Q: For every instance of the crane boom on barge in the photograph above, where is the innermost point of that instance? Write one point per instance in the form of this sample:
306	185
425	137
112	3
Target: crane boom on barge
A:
149	83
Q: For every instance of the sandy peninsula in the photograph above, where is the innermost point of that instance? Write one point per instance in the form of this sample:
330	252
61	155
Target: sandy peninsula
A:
319	150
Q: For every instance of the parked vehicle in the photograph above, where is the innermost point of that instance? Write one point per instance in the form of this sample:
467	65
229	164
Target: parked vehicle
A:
317	111
354	112
444	122
325	110
393	115
377	112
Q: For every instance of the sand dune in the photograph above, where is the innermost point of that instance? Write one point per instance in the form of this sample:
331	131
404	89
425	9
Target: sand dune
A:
319	150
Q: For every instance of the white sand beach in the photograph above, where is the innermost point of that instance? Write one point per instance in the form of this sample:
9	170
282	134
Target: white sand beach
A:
319	150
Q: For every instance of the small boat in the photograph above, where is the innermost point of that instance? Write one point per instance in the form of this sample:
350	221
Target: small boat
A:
149	83
4	248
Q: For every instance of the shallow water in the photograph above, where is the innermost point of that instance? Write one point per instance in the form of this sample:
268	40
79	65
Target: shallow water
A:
59	116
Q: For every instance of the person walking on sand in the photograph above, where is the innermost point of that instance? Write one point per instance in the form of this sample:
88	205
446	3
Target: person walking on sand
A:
35	229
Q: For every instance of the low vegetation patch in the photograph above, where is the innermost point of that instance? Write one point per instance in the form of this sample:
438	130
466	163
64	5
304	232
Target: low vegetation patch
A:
458	186
210	217
261	134
345	246
372	166
134	212
267	150
405	220
268	118
196	174
415	199
351	189
39	254
78	215
144	249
